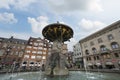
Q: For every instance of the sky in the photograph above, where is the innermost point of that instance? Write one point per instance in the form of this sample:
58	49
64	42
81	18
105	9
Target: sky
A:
26	18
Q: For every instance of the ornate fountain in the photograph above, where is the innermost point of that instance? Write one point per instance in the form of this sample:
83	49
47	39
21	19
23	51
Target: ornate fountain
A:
56	62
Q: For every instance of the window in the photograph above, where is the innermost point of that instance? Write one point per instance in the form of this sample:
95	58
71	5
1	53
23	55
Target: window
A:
103	48
23	47
39	47
35	44
16	53
100	40
108	56
89	58
40	43
18	47
38	57
80	53
28	51
29	46
116	54
32	57
20	54
87	52
110	37
94	50
14	46
98	58
91	43
26	56
1	52
43	57
44	44
0	39
31	43
49	45
33	52
45	48
38	40
44	52
114	45
35	47
94	57
39	52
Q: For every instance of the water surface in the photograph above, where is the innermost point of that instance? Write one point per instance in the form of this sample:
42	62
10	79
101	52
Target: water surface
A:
74	75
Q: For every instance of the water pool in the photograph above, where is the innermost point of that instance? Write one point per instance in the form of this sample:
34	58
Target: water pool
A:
73	75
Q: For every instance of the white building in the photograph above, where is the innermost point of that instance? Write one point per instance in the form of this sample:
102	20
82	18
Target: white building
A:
77	55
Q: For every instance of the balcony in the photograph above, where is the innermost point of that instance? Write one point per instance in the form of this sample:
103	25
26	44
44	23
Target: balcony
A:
104	51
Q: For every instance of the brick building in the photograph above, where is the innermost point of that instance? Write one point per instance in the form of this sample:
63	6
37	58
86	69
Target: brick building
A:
11	50
36	52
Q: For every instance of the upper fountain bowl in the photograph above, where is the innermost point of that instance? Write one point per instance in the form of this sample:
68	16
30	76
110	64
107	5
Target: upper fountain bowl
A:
57	31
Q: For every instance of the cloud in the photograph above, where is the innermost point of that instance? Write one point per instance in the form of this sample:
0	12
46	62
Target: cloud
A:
23	4
8	18
64	6
71	43
18	4
95	5
37	24
6	3
90	26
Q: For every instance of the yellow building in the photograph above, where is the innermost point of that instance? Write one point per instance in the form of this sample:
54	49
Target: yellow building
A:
102	49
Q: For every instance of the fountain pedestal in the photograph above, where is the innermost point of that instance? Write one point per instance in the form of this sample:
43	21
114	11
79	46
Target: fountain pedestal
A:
56	63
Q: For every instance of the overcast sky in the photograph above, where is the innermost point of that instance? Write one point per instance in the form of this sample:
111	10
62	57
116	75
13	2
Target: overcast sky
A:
25	18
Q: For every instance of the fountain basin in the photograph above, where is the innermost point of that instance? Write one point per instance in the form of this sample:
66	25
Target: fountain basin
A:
73	75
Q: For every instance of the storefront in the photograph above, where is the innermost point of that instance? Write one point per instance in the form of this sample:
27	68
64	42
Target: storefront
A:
109	65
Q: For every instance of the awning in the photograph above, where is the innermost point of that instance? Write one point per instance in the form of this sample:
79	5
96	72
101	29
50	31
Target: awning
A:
31	62
24	62
109	63
98	64
89	64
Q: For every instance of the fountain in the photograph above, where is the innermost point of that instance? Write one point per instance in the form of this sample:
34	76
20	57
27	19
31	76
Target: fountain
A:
58	34
56	65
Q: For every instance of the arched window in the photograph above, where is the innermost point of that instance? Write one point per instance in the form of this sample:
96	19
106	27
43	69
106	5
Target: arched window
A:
87	52
94	50
114	45
103	48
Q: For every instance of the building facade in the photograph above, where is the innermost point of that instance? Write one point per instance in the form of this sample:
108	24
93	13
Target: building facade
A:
11	50
36	52
69	57
102	49
77	55
25	54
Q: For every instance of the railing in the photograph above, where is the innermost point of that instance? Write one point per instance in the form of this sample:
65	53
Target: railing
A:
100	52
